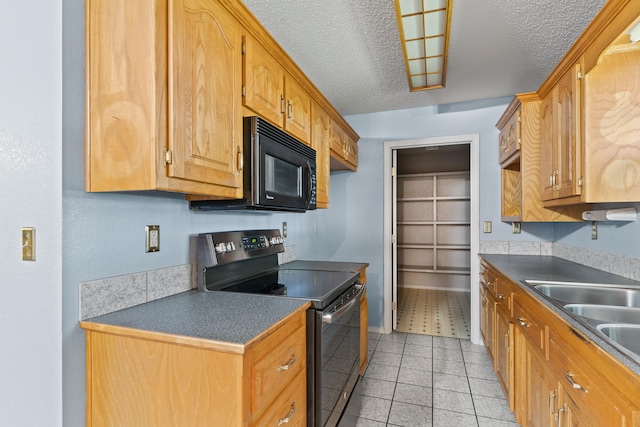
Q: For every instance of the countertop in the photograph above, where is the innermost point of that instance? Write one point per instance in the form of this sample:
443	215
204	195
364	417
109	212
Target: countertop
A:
222	320
530	267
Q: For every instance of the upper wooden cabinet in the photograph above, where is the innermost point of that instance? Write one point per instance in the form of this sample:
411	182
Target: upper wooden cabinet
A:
521	167
612	124
344	149
561	138
274	94
320	140
510	137
163	97
590	132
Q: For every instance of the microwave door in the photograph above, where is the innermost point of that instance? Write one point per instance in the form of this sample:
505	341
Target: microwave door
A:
284	176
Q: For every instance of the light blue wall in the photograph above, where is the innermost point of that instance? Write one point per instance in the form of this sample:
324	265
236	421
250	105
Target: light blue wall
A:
31	196
621	238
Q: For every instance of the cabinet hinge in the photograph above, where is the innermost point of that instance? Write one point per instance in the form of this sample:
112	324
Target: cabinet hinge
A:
168	156
244	91
579	75
580	182
394	305
393	171
244	48
393	238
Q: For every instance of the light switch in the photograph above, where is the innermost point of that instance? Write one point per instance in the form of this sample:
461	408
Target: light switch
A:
28	244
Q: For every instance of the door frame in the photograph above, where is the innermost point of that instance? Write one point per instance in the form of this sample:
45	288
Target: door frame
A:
474	172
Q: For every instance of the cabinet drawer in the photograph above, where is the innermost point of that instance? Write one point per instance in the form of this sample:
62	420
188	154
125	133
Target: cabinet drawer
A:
503	295
290	408
588	391
530	323
275	370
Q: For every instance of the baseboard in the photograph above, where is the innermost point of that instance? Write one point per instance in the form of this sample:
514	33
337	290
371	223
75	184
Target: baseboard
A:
434	288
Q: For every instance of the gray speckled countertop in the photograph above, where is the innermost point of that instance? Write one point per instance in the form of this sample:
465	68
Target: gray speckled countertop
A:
218	316
547	268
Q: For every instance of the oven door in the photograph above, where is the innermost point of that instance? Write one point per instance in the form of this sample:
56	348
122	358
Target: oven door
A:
337	356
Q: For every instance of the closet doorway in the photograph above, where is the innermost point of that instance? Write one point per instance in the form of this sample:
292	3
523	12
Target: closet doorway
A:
432	216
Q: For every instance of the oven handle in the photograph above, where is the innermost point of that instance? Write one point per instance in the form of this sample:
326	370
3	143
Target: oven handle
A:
336	315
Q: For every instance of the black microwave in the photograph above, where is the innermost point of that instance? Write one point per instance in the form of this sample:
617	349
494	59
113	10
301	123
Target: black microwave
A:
279	172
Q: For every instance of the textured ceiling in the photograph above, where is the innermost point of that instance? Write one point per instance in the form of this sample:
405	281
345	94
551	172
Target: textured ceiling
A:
350	49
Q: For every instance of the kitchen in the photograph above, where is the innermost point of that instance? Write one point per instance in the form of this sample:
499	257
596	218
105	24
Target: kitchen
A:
92	236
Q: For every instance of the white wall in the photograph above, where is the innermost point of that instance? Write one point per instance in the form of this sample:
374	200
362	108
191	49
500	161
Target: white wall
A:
30	188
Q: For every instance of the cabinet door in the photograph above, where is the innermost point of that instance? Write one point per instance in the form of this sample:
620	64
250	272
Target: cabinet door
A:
484	317
320	134
263	83
539	391
503	354
547	147
568	133
571	415
205	89
298	114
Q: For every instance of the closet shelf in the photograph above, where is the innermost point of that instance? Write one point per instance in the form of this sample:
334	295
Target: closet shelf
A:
444	246
438	222
432	198
431	269
433	228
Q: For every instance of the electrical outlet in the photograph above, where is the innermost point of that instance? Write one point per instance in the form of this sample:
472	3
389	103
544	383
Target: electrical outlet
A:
594	230
284	229
153	238
487	227
515	228
28	244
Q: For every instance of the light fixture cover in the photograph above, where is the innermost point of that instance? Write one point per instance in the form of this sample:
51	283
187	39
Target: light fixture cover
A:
424	34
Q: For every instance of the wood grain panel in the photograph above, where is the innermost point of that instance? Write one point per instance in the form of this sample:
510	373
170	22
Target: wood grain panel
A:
205	93
264	82
136	382
298	115
121	127
612	131
320	134
290	408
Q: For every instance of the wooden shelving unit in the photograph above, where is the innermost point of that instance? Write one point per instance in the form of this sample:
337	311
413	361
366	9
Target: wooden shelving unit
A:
433	222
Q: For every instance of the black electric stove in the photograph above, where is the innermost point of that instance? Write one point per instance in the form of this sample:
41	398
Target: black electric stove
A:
319	287
247	262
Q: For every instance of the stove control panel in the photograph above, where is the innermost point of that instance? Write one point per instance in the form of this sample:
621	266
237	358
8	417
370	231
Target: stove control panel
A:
256	242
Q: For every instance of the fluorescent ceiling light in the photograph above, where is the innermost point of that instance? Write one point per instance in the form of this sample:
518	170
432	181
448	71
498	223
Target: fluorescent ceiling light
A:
424	33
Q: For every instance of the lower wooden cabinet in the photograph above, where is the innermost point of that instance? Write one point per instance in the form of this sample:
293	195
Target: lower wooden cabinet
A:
551	373
140	378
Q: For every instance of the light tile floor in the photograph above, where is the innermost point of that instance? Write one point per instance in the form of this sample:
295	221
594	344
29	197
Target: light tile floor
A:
428	381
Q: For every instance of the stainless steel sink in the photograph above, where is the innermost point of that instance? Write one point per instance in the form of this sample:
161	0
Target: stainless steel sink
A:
583	294
628	336
606	313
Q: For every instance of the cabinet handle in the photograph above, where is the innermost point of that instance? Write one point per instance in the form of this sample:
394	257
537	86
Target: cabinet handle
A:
286	419
561	410
552	396
569	377
288	365
522	322
283	105
290	111
501	296
240	159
